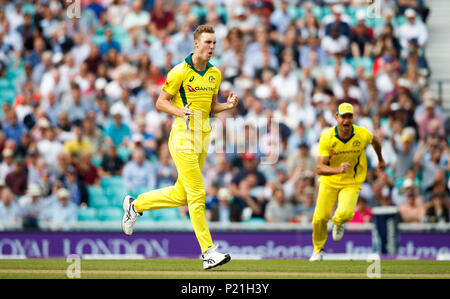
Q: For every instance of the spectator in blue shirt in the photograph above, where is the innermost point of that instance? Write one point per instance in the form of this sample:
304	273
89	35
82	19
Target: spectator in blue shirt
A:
117	132
139	173
13	129
109	44
60	214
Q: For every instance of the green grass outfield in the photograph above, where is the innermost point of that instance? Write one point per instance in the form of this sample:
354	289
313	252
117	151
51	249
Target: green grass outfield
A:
235	269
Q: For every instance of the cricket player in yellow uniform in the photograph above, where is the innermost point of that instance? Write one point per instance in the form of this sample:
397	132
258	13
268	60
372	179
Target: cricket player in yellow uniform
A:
189	94
342	166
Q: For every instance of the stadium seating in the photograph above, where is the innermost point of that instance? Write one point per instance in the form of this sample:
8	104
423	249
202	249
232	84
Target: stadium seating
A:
87	214
110	214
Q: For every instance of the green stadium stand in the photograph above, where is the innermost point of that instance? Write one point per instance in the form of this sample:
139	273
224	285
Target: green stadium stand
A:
87	214
110	214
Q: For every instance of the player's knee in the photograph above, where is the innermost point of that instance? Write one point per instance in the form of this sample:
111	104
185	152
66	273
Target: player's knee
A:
197	197
346	216
317	219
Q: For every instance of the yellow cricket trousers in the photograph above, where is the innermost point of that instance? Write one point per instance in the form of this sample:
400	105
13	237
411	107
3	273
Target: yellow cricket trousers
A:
188	151
347	198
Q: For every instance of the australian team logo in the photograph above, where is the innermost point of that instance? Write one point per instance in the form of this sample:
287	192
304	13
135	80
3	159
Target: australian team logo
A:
356	143
211	79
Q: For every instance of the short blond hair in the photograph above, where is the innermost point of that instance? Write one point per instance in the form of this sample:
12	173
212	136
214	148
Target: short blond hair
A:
203	29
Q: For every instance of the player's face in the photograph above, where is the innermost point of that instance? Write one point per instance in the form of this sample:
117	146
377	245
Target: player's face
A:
345	123
205	45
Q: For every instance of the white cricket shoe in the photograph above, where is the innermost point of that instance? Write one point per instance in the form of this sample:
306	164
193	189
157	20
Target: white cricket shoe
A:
212	258
130	215
316	256
338	232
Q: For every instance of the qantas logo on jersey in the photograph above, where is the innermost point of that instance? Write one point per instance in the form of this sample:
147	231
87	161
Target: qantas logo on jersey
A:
199	88
333	153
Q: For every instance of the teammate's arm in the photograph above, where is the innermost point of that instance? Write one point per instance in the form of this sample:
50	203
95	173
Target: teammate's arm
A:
216	107
376	144
163	104
324	169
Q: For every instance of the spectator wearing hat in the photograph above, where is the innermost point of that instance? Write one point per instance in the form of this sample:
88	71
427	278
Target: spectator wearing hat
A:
60	214
404	154
32	205
412	28
338	19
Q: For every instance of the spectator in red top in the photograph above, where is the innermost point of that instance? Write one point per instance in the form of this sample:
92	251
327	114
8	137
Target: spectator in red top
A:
363	213
161	19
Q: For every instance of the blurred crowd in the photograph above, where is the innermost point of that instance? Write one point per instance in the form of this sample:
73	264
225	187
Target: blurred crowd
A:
79	79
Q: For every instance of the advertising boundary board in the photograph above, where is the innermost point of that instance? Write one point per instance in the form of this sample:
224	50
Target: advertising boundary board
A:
256	245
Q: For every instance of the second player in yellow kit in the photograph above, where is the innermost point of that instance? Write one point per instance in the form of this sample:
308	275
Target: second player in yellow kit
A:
189	94
342	166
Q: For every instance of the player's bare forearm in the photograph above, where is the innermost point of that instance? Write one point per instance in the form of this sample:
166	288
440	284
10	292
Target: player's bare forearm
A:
219	107
376	144
163	104
323	168
216	107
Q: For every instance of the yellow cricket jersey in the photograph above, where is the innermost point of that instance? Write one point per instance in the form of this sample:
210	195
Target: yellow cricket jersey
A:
351	151
187	84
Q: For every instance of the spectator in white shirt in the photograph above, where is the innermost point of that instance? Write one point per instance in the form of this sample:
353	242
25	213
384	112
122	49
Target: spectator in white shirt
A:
413	28
7	164
335	43
50	147
137	18
10	211
286	83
